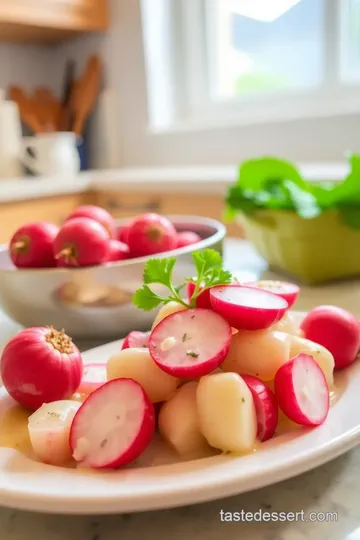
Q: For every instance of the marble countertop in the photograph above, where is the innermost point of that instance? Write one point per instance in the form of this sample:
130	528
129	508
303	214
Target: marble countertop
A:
214	179
332	488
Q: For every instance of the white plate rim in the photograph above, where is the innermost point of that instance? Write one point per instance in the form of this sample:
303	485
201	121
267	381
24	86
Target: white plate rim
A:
67	491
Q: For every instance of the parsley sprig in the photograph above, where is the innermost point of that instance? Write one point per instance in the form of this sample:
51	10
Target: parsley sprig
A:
208	264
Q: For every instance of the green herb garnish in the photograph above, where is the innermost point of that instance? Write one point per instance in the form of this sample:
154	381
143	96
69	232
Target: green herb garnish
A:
193	354
208	264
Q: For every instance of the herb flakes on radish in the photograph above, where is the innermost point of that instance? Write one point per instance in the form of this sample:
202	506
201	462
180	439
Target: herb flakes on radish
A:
190	343
113	426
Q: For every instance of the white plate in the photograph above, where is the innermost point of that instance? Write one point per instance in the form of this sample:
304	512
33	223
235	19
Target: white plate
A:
28	485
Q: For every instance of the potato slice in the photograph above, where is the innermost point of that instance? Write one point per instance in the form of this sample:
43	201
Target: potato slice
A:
259	353
137	364
287	324
165	311
178	423
226	412
320	354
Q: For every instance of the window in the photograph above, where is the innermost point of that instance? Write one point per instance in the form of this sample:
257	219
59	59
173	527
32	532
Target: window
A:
211	62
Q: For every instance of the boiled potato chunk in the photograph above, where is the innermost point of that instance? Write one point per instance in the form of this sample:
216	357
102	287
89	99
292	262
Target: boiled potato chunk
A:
178	423
321	355
259	353
166	310
49	429
226	412
137	364
287	324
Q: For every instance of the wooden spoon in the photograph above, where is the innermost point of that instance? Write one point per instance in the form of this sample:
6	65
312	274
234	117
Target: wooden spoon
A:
86	93
27	112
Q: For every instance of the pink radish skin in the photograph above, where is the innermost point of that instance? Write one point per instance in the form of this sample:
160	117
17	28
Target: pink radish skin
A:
123	232
81	242
190	343
187	238
266	407
98	214
118	251
302	392
31	245
136	339
94	376
113	426
335	329
203	300
284	289
247	308
150	234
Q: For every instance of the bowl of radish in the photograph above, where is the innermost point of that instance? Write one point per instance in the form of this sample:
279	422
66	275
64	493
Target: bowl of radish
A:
81	276
207	403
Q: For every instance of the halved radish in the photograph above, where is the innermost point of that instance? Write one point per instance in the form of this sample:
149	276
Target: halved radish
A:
113	426
288	291
190	343
302	392
247	308
320	354
266	407
93	377
136	339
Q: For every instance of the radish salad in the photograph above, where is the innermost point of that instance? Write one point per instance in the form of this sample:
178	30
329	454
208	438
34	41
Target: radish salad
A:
222	365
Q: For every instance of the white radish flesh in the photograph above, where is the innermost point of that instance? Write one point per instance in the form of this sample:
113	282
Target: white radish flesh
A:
226	412
94	376
138	365
259	353
322	356
136	339
113	426
178	423
190	343
247	308
302	392
49	429
165	311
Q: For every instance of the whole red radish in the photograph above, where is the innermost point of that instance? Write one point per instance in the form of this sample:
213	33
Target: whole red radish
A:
93	377
96	213
288	291
150	234
123	232
40	365
118	251
31	245
136	339
187	238
265	405
190	343
81	242
337	330
247	308
302	392
113	426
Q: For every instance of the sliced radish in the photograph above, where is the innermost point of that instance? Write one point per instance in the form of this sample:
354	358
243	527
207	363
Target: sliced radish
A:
227	413
266	407
247	308
93	377
113	426
49	429
302	392
288	291
136	339
190	343
320	354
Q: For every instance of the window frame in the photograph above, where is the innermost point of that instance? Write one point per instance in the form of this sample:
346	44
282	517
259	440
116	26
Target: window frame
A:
187	83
